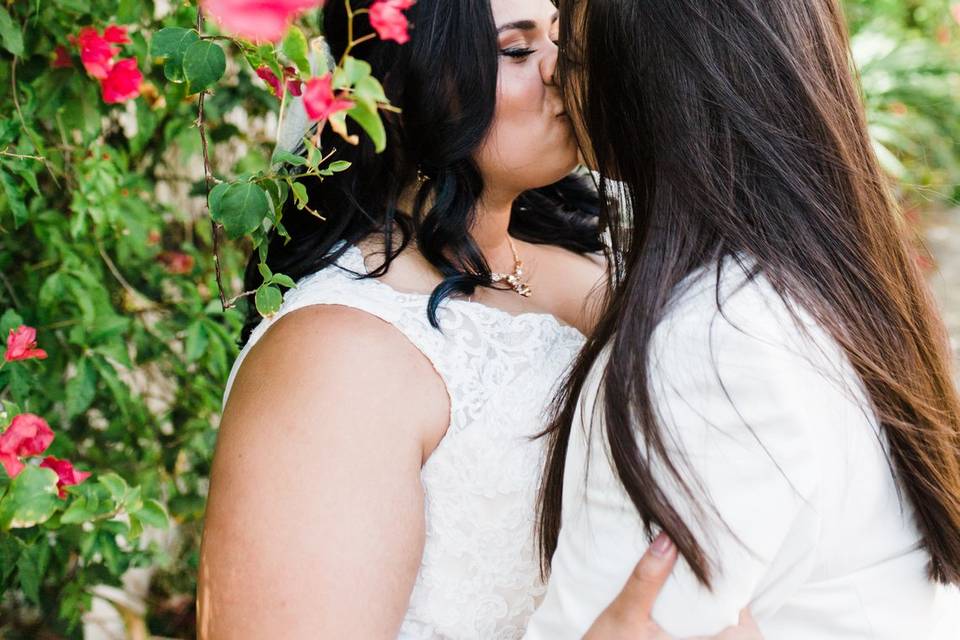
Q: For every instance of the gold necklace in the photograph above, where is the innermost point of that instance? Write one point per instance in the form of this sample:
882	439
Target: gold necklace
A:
514	280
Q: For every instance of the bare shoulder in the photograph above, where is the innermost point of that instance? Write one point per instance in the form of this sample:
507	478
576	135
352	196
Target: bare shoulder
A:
326	355
316	481
576	283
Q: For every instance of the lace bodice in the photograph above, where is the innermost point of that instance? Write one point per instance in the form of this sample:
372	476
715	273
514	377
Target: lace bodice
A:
479	574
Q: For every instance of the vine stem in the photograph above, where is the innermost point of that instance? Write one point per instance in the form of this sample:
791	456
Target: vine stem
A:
23	122
208	180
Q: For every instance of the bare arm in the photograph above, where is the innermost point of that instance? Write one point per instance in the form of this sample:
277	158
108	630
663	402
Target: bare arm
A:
314	524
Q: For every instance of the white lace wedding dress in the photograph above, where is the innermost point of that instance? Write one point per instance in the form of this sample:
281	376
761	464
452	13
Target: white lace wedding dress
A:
479	574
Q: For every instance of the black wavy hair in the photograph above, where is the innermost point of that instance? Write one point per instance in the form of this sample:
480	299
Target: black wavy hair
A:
444	80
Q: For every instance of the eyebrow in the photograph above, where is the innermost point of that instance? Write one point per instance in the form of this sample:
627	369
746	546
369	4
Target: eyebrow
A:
524	25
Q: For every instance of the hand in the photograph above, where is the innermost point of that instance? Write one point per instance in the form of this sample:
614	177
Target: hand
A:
628	616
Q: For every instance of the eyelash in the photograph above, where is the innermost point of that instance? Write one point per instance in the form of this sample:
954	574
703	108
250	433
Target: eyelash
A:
520	54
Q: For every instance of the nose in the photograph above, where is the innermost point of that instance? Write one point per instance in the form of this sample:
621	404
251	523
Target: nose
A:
548	65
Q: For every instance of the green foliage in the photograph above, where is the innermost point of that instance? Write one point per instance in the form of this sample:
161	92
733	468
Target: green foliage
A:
106	247
908	54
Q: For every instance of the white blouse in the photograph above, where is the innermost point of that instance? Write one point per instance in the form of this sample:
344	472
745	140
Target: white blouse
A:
771	419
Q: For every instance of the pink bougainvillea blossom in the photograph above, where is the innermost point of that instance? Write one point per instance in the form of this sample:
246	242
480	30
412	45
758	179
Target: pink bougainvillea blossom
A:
270	78
28	435
387	19
123	81
292	83
67	475
61	58
96	54
294	86
22	345
120	80
176	262
319	101
260	20
116	34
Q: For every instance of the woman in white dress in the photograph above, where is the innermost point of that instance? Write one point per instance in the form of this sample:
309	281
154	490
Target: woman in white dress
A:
771	384
376	468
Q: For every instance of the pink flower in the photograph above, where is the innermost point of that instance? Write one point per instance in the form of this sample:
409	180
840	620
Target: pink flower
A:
319	101
261	20
387	19
268	76
116	34
66	474
61	59
27	435
22	345
176	262
955	10
122	82
293	82
96	54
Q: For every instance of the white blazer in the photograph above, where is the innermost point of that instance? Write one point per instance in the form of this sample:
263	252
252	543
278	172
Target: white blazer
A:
775	425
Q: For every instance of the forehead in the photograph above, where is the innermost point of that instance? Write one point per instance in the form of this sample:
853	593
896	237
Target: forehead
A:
505	11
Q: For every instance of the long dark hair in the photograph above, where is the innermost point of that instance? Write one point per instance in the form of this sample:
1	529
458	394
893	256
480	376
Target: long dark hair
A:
445	82
736	127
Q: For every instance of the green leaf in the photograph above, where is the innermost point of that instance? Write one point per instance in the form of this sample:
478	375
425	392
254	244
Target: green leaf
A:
196	342
203	64
9	320
264	270
81	388
116	485
80	511
352	72
30	500
369	91
15	200
268	300
299	194
371	123
9	552
171	44
32	565
10	34
290	158
241	208
153	514
339	165
335	167
216	194
295	48
283	280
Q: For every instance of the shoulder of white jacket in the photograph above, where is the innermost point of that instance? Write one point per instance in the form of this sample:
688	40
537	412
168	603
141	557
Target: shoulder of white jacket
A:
727	306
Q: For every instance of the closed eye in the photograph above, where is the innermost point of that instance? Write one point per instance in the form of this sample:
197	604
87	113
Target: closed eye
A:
517	53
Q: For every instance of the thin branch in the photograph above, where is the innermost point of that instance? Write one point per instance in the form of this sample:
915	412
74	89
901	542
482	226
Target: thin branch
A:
208	180
23	122
129	288
21	156
9	287
233	301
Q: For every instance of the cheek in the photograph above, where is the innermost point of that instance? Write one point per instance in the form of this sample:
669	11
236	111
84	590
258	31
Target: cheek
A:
524	133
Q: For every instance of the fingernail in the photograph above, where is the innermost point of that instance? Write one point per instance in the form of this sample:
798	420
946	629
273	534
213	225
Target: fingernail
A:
662	545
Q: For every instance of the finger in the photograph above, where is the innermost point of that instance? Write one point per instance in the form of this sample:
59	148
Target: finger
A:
746	619
648	577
